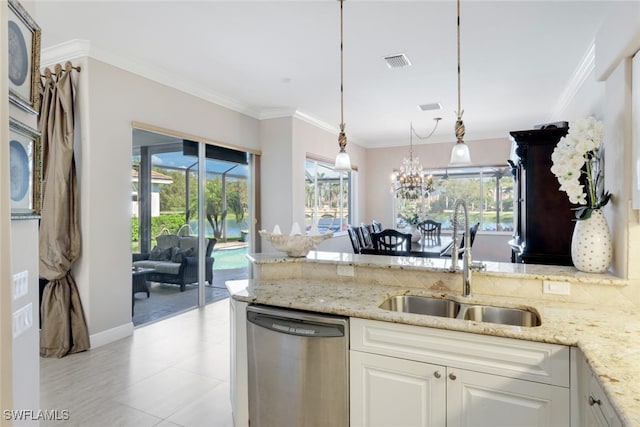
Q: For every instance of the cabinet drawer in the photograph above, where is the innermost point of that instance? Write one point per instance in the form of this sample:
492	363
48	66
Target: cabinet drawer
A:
599	406
532	361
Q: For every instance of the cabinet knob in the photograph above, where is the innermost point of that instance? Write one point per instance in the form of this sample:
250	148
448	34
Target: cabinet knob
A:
437	374
452	376
593	401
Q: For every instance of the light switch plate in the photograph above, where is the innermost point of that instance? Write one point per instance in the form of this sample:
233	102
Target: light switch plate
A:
22	320
345	270
556	288
20	284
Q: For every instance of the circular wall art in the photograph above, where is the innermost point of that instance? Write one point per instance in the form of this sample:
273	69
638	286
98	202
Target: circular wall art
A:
19	171
19	64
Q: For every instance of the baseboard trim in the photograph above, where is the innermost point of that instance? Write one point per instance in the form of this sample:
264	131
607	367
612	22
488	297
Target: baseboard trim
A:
110	335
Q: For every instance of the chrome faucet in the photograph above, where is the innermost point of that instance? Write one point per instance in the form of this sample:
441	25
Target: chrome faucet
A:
466	256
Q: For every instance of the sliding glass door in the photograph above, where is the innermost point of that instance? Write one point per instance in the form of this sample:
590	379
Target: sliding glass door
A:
190	201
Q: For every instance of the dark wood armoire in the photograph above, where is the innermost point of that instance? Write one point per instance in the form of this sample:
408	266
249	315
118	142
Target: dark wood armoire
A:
543	219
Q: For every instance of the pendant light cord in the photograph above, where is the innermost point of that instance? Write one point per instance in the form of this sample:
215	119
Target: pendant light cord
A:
458	35
342	72
342	137
460	130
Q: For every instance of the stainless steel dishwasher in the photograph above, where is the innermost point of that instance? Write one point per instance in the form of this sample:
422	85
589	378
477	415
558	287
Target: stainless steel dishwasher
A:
298	368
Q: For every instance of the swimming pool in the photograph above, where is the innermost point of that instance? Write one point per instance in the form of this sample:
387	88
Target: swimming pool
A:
230	258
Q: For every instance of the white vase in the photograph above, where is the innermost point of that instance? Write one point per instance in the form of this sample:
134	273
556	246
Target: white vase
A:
415	234
591	248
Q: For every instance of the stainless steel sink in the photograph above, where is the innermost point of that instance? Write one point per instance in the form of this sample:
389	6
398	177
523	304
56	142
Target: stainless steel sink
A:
443	307
501	315
422	305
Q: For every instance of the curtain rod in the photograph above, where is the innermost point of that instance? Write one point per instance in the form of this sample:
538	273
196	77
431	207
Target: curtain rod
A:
58	69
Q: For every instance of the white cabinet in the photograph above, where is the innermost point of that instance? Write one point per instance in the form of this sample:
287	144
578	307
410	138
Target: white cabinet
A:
387	391
404	375
595	409
238	375
477	399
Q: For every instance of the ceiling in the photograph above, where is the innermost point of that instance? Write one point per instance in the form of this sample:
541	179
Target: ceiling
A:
273	58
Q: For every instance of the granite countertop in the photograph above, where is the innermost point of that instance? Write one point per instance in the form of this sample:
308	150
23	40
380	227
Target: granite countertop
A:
609	336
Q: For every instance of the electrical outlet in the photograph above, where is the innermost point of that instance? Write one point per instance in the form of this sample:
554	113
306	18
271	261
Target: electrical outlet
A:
556	288
20	284
22	320
345	270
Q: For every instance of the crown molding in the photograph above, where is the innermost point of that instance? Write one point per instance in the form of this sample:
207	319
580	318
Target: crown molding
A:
315	122
276	113
67	51
82	48
580	75
295	114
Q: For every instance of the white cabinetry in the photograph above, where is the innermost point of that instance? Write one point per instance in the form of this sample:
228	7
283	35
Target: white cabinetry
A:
238	374
387	391
403	375
595	409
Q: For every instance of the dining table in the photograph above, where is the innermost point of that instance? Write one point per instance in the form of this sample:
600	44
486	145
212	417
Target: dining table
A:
424	247
431	247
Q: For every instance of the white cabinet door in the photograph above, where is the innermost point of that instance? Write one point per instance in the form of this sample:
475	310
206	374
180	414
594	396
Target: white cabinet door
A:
483	400
391	392
239	382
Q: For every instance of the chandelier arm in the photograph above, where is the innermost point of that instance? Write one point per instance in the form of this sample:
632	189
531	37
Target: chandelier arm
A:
437	119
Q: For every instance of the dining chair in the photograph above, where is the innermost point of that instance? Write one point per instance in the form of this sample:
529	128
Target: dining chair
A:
429	229
365	235
448	251
376	226
392	242
355	239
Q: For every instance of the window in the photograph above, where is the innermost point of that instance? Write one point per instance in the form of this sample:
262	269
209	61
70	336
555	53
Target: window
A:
487	191
327	197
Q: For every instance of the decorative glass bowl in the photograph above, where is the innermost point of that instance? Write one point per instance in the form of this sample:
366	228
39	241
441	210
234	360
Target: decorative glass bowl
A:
295	245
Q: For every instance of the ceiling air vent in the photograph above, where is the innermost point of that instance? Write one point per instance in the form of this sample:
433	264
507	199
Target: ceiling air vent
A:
397	61
429	107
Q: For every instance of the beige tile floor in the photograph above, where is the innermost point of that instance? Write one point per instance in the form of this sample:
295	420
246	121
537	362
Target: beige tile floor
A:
171	373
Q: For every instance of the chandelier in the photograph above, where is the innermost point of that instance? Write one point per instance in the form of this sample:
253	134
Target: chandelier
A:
409	182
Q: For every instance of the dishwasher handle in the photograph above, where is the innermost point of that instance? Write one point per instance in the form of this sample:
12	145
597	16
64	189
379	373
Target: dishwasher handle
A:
295	327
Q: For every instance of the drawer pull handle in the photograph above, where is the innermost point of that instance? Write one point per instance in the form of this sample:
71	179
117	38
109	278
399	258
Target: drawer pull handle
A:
437	374
452	376
593	401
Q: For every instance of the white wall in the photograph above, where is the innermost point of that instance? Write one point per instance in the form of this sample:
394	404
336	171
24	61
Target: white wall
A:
19	357
277	187
381	162
285	143
6	345
26	347
108	100
616	42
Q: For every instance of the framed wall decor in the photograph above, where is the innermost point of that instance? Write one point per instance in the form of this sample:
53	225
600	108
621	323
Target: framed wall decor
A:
25	169
24	59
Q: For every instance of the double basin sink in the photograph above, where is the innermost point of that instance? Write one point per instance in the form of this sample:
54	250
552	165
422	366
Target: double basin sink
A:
443	307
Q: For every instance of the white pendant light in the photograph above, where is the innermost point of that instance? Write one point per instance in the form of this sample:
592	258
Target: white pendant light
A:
343	162
460	151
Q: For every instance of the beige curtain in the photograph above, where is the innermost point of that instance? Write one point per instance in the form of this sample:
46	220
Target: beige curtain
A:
64	329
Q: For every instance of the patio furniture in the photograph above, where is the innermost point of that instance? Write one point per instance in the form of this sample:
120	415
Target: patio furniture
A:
139	283
175	260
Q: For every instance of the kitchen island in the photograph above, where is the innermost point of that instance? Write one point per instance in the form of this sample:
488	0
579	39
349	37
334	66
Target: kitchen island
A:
594	318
